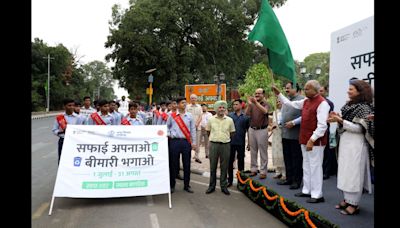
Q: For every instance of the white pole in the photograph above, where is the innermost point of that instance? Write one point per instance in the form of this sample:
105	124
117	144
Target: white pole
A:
48	83
51	205
169	198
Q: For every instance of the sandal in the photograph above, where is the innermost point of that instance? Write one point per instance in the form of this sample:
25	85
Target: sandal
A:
347	212
342	205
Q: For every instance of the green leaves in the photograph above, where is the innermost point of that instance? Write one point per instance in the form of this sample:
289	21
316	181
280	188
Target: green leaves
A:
186	40
259	76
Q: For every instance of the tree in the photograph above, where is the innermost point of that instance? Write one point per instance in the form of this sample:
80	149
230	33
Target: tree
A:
186	40
258	76
98	80
60	74
311	62
67	77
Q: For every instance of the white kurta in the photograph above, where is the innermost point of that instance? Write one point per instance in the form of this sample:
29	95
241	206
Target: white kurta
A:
277	151
353	160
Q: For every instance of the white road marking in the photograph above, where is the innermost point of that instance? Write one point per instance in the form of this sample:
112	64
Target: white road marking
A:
39	128
154	220
40	210
150	201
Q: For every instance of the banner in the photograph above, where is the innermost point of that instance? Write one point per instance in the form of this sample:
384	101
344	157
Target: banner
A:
113	161
206	93
352	56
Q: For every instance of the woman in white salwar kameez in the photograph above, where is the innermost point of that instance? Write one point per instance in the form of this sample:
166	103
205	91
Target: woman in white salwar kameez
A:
277	151
354	146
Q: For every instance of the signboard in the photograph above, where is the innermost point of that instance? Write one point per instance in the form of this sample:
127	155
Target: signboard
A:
113	161
206	93
352	56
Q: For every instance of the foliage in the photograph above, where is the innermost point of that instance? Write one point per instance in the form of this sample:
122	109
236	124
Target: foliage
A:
98	79
311	62
258	76
188	41
67	79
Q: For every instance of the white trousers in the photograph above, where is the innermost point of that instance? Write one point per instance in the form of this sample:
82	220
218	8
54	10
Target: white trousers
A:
312	171
197	150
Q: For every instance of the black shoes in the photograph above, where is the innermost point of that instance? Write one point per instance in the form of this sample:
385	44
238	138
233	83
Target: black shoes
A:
229	185
188	189
197	160
225	191
172	189
314	200
294	186
284	182
300	194
326	177
210	190
179	177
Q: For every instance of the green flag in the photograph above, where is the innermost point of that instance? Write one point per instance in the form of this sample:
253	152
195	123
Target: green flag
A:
269	32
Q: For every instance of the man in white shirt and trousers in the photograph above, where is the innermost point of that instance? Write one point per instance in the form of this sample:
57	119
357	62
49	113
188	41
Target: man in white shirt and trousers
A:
315	111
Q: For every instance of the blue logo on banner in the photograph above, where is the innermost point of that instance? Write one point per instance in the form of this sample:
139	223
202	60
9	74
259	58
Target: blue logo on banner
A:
77	161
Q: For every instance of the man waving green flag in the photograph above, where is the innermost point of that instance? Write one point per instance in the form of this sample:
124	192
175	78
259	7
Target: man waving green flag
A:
269	32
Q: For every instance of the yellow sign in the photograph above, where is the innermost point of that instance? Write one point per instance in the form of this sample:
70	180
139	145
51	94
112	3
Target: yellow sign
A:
206	93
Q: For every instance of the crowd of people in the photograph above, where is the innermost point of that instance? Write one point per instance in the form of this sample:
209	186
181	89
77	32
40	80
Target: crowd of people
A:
304	150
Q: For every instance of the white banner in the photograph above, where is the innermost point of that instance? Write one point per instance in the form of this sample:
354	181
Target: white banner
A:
352	55
113	161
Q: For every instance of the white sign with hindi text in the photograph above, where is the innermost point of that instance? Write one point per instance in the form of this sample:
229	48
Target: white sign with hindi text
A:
352	56
113	161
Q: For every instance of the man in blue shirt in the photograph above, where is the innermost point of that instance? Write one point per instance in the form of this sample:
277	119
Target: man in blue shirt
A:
182	139
242	123
62	120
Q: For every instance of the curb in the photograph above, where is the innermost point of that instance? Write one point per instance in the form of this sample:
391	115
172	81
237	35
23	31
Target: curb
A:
36	117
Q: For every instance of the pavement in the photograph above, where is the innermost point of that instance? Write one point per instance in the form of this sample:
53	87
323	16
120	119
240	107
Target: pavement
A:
204	168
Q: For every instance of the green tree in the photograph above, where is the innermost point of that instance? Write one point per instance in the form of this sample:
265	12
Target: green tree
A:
258	76
60	74
67	77
188	41
311	62
98	79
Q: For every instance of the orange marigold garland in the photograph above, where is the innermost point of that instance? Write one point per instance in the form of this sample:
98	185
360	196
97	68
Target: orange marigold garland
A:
305	216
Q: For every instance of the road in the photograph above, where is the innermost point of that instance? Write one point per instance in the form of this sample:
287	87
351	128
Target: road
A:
188	210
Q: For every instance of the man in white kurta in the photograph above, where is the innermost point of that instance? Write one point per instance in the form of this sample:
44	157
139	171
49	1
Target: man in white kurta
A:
315	111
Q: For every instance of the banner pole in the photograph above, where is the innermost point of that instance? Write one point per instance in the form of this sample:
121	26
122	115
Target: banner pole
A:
51	205
169	198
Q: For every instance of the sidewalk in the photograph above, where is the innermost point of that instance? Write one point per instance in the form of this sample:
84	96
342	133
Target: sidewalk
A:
41	115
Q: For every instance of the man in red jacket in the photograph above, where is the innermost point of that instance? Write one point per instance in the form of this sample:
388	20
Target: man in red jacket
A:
315	111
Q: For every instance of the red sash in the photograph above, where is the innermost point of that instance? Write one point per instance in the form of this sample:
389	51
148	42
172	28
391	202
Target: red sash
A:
182	126
164	116
125	121
61	121
157	113
97	119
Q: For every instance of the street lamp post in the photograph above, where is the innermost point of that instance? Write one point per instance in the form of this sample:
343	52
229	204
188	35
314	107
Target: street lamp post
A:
48	82
150	80
217	80
309	76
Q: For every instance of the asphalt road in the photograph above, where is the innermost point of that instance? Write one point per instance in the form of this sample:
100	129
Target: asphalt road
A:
188	210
